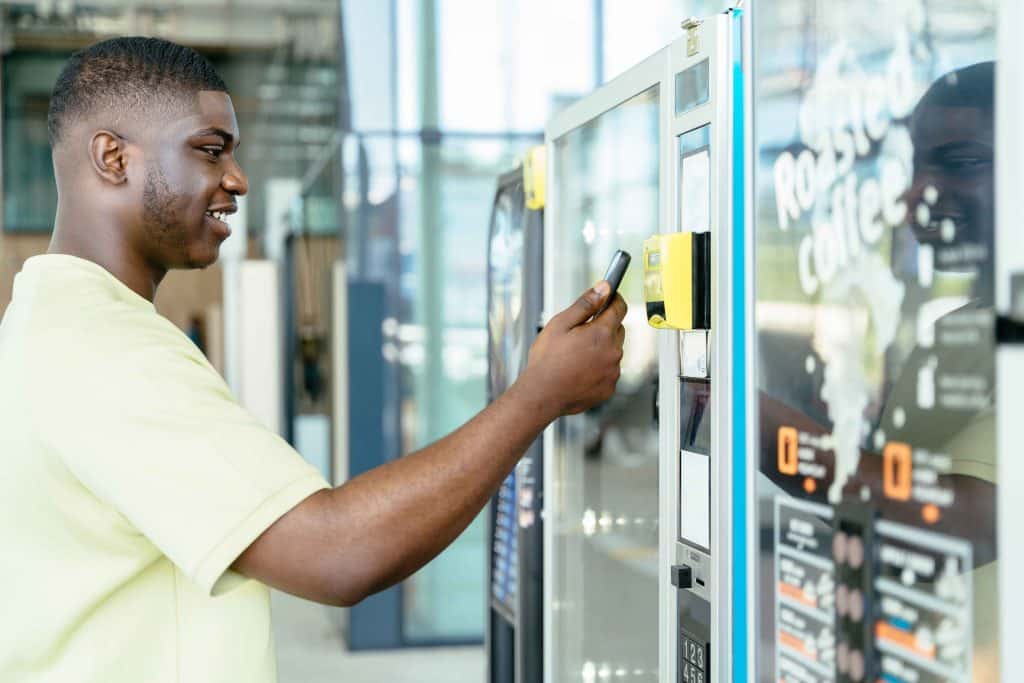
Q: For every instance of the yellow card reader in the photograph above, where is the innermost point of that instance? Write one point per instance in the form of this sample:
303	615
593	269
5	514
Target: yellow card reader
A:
677	280
534	177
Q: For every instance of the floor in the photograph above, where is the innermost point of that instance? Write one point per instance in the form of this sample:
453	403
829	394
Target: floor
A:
310	650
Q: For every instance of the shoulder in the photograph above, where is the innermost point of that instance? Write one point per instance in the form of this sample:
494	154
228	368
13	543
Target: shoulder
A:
113	353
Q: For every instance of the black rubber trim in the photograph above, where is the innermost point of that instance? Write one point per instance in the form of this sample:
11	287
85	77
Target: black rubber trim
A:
701	281
655	308
1009	330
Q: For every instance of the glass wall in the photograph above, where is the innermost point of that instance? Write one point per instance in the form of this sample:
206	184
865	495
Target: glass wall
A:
30	195
875	245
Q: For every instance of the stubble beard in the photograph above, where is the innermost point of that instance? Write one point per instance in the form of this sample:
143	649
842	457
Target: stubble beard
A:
162	211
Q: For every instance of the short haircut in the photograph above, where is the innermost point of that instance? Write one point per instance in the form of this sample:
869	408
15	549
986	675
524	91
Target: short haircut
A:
972	86
132	74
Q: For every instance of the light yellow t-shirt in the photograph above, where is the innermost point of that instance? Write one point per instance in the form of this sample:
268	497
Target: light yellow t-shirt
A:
130	481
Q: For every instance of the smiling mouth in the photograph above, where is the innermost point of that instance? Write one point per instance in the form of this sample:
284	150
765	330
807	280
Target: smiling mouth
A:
217	224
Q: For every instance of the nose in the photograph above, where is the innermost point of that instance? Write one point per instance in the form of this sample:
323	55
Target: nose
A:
915	194
235	181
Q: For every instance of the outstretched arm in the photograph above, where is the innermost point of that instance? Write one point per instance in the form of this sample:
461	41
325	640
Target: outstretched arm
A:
341	545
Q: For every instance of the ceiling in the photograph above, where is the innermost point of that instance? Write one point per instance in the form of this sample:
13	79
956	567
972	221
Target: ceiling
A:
310	27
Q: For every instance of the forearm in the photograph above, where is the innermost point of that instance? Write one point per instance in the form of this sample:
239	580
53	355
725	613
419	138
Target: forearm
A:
340	545
390	521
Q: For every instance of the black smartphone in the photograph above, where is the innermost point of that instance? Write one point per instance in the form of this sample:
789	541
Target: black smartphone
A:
616	269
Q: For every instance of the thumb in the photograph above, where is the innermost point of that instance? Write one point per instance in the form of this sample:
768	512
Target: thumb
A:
584	308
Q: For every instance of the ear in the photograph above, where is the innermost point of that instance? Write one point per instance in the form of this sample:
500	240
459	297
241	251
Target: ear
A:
108	153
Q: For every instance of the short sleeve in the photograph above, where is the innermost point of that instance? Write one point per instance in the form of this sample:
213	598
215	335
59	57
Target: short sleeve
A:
973	448
157	435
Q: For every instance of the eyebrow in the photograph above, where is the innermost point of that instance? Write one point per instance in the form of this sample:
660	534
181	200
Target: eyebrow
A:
959	146
219	132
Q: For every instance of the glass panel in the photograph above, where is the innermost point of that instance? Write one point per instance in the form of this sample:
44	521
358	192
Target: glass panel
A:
876	498
695	180
30	191
693	87
604	498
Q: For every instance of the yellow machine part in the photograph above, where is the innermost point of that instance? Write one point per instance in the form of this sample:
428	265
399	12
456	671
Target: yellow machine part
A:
535	177
672	288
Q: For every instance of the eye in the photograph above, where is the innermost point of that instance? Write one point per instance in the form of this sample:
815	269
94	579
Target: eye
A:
213	151
966	162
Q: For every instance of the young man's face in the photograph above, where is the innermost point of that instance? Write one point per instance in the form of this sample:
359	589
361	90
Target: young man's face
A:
191	181
954	153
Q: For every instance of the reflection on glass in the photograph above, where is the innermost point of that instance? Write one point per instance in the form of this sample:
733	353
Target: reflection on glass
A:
505	355
605	494
506	283
875	254
30	194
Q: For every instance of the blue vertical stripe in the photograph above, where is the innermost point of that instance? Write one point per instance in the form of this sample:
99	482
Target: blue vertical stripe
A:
741	628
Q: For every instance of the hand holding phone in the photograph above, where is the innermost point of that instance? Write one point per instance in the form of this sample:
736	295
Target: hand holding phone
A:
616	270
575	362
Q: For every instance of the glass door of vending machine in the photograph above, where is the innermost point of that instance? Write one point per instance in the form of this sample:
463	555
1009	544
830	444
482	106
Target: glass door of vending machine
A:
697	273
514	299
601	468
875	554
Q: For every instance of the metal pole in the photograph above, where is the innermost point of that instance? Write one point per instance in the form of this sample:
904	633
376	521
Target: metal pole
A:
598	43
430	298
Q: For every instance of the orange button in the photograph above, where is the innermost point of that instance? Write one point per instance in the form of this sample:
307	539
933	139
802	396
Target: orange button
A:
896	468
787	450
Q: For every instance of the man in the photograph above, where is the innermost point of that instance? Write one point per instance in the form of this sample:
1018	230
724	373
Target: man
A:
144	513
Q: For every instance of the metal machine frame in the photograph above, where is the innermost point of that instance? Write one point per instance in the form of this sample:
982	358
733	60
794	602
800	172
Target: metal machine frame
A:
718	40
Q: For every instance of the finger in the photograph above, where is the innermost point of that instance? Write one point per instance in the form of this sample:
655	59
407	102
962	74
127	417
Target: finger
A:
613	316
583	308
620	336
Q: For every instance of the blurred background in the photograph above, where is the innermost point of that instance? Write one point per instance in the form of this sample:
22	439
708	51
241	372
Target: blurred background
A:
348	308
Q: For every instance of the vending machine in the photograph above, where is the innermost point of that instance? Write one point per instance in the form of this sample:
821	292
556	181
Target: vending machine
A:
514	297
798	477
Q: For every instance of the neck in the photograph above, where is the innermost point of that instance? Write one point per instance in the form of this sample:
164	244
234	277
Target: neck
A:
104	244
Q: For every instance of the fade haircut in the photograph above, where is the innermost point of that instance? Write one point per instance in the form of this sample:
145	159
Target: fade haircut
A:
132	75
972	86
